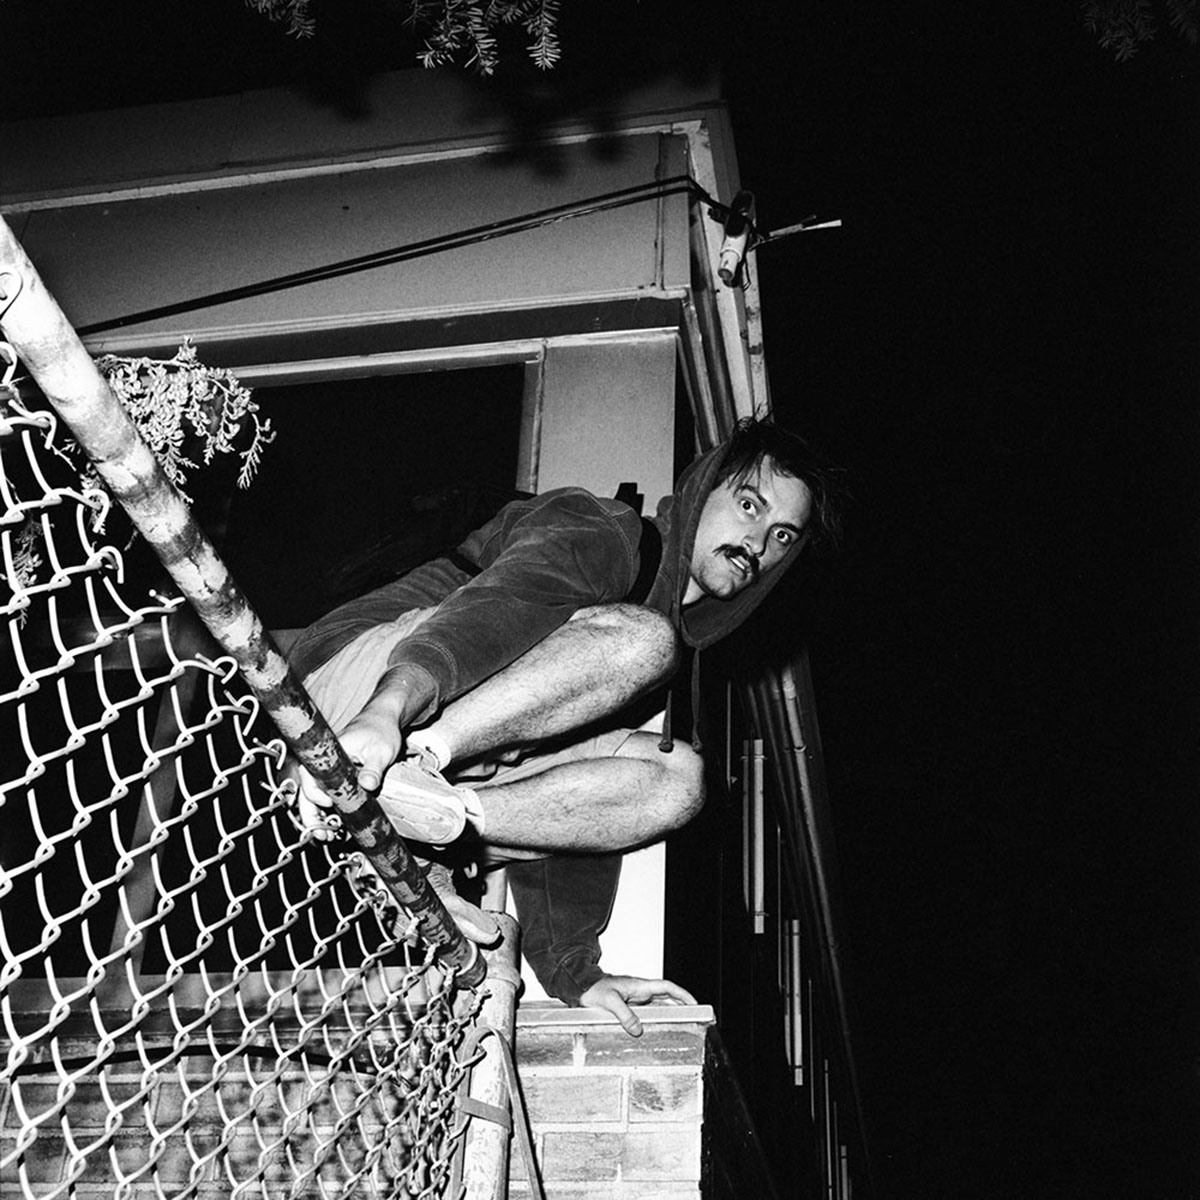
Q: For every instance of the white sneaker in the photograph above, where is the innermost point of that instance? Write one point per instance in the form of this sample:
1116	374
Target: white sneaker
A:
421	805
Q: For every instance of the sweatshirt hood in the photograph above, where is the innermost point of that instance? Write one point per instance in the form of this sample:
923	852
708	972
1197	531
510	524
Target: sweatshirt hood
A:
709	619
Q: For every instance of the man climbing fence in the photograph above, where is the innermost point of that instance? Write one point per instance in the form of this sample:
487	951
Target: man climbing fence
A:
494	698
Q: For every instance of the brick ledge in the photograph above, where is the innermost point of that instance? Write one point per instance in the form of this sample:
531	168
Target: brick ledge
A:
555	1012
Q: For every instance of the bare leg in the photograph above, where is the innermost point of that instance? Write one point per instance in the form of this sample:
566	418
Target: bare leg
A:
596	805
602	659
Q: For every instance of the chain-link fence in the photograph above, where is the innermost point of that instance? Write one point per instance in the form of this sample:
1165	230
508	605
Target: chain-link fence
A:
196	999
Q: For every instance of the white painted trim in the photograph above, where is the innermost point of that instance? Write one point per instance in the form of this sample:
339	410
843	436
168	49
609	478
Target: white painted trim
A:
398	362
230	179
119	342
744	356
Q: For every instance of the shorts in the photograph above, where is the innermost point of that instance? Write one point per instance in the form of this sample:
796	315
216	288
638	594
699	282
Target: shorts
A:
342	685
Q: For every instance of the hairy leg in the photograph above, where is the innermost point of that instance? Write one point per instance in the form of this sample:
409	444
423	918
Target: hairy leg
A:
602	659
594	805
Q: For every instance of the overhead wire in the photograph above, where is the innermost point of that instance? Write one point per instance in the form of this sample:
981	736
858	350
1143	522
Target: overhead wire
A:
607	201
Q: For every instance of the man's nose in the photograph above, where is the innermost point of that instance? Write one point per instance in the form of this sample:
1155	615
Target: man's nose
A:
754	544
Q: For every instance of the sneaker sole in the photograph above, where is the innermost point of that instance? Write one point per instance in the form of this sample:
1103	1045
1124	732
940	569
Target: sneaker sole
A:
418	812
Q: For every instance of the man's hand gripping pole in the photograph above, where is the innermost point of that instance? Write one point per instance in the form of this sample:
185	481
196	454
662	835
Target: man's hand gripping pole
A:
320	753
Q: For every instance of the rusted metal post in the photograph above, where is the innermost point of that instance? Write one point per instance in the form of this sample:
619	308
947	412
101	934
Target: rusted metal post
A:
485	1155
56	359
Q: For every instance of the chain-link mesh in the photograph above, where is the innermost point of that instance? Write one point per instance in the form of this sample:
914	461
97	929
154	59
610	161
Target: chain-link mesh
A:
196	999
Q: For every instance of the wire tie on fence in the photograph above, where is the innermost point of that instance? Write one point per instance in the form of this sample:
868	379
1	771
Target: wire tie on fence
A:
488	1112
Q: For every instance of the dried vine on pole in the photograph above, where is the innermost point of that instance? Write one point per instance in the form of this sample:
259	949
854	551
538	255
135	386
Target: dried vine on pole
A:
174	399
185	410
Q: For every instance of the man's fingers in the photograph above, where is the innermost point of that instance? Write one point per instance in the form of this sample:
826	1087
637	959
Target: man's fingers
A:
612	1000
615	994
323	823
373	746
650	991
312	808
369	752
671	993
310	792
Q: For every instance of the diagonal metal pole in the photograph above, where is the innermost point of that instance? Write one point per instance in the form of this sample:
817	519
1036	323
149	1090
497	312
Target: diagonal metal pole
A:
49	347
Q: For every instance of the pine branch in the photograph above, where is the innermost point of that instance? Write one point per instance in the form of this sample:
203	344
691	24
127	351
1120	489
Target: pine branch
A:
454	30
484	53
1124	26
295	13
543	25
1184	18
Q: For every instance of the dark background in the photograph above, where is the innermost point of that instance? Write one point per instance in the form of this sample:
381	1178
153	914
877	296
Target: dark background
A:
1000	345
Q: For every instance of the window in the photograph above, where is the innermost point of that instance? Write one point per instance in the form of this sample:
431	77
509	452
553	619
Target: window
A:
348	458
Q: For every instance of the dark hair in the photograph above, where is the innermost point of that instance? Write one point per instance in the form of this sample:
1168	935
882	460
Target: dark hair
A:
755	439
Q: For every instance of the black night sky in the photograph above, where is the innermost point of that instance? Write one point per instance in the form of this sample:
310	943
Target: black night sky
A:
1000	345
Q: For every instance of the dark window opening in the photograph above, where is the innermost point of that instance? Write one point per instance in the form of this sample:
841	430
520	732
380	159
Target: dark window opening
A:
348	459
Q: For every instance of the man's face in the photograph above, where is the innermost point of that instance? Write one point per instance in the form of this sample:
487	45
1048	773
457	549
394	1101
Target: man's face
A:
746	528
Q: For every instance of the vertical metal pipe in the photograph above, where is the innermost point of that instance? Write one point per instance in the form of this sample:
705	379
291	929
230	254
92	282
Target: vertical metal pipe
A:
758	822
828	1127
782	976
729	736
51	350
789	691
533	403
485	1155
747	831
795	996
812	1044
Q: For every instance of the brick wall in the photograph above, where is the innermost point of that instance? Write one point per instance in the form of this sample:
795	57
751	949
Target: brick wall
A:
234	1128
612	1116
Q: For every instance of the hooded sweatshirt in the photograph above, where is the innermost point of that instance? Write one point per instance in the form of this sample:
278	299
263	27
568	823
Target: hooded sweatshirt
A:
540	560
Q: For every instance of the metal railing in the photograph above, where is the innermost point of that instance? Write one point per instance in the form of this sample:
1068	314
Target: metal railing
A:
195	997
790	895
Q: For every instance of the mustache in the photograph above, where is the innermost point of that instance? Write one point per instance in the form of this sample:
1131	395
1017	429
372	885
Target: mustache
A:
740	552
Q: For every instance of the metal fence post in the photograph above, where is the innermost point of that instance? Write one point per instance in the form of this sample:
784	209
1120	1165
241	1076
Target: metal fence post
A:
486	1153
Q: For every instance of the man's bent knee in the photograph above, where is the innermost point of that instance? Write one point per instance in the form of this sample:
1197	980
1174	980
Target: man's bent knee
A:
679	795
686	769
642	637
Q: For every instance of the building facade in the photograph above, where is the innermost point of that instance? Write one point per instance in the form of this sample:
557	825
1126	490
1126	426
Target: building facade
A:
420	303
